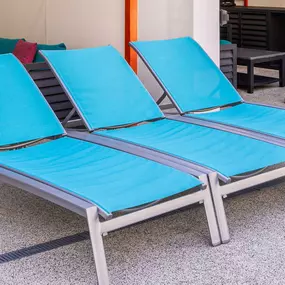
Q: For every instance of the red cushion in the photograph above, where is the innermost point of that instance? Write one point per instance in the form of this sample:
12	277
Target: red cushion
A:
25	51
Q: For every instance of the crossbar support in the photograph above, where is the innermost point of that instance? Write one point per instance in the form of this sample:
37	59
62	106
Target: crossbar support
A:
161	99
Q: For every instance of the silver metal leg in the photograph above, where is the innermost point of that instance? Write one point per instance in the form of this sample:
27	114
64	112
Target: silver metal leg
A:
219	207
210	213
97	245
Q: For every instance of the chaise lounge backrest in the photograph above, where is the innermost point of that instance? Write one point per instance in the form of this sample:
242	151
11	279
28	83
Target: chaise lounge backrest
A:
187	74
102	85
24	113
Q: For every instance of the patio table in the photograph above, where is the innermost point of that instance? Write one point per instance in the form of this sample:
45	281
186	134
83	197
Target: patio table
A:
252	57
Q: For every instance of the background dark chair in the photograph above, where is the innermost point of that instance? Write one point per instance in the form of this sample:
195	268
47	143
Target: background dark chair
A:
228	63
226	32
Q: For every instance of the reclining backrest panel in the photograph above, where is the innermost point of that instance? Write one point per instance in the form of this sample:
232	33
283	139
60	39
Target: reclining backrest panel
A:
24	113
187	73
103	87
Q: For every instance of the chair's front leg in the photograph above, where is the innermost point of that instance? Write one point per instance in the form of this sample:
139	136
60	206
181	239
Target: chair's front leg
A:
282	72
210	213
219	207
250	74
97	245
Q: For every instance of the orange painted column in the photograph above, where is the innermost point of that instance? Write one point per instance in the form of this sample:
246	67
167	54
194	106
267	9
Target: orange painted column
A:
131	31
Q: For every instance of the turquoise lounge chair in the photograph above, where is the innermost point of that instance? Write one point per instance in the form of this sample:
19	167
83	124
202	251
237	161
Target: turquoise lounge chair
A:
203	95
90	179
113	104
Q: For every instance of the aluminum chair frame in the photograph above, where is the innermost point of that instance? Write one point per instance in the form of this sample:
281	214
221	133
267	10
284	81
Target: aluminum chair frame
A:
92	212
218	191
101	222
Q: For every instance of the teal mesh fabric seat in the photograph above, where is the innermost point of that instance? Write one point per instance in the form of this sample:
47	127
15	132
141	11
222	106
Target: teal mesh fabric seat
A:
223	152
262	119
194	83
111	179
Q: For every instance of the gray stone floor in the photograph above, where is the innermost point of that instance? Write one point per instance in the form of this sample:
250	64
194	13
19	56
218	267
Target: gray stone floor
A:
170	250
270	94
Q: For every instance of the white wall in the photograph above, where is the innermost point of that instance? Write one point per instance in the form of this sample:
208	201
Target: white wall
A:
78	23
206	26
86	23
23	19
162	19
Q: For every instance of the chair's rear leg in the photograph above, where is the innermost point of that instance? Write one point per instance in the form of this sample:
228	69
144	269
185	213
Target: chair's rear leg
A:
210	213
219	207
97	245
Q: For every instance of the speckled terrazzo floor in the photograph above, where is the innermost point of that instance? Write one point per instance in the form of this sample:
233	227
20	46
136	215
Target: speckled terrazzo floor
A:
171	250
